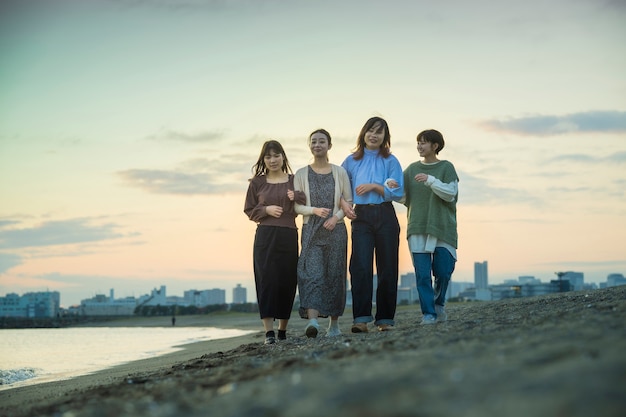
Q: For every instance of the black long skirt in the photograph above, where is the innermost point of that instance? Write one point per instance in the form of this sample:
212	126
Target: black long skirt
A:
275	270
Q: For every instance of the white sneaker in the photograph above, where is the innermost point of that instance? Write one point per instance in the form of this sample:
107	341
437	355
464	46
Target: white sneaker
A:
441	313
429	319
312	329
333	332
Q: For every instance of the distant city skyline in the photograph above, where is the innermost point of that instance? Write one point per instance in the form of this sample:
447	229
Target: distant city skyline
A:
128	129
404	280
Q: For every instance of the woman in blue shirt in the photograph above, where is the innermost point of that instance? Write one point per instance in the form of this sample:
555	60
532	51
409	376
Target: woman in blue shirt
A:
376	180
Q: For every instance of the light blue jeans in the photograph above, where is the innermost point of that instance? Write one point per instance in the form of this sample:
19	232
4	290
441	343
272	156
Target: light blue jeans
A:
439	264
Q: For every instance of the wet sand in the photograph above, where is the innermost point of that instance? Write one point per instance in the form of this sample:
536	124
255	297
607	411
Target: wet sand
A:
555	355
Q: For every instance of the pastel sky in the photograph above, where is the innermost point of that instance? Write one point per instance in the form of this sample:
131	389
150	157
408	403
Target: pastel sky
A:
128	129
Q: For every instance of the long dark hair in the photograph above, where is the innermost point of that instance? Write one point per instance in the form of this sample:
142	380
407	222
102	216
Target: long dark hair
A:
384	150
259	168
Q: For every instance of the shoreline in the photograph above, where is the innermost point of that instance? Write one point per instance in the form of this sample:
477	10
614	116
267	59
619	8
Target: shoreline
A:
559	354
29	395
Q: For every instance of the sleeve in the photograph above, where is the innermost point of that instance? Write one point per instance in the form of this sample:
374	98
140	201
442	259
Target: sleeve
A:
446	188
253	209
346	166
299	196
394	172
406	198
298	185
445	191
345	190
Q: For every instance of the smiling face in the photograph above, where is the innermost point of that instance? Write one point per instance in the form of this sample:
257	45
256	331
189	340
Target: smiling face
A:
427	150
374	136
319	145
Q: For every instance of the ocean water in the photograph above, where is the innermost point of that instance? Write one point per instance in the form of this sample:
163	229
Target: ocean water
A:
32	356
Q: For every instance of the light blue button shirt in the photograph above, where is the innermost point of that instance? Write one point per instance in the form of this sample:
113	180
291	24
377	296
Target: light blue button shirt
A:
374	169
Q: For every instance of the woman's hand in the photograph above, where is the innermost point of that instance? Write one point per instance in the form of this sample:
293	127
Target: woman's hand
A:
321	212
421	177
331	223
364	188
291	195
274	211
347	208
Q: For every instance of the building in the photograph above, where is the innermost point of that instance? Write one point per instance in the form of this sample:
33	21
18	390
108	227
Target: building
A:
455	288
613	280
527	279
101	305
481	276
404	296
513	290
156	298
576	279
205	297
31	305
407	290
240	295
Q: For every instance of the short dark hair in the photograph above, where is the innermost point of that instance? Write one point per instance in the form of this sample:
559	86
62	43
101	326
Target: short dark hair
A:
432	136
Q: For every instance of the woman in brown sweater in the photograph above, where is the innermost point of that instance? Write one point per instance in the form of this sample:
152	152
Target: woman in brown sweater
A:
270	203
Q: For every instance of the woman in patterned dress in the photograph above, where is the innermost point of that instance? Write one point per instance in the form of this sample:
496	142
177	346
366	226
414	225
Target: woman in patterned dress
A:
323	257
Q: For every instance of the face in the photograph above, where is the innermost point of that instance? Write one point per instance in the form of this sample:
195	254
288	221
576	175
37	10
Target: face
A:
319	144
426	149
273	161
374	136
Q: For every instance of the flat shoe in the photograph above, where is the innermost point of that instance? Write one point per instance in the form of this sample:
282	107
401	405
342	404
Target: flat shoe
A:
359	328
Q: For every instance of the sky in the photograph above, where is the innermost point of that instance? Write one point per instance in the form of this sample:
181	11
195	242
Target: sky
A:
128	130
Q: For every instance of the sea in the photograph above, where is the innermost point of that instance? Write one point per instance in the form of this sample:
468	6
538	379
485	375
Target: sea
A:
33	356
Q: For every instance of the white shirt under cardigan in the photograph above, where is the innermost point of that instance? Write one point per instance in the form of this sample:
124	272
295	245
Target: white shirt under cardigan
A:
342	188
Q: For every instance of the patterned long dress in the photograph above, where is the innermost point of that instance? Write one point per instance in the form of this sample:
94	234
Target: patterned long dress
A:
322	262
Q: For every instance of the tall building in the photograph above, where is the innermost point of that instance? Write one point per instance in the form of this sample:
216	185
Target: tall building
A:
240	295
481	278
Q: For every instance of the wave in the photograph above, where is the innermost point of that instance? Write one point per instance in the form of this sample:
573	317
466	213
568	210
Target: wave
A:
11	376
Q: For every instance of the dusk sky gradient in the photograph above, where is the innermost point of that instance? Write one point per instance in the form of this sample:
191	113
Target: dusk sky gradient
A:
128	130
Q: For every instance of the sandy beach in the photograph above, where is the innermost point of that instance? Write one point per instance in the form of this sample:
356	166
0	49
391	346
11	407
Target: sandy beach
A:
555	355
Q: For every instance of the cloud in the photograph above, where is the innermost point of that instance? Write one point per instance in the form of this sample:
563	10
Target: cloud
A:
166	135
616	158
198	176
585	122
58	233
4	223
8	261
169	182
474	190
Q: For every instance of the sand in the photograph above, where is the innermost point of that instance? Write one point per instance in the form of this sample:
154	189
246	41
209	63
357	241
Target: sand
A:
555	355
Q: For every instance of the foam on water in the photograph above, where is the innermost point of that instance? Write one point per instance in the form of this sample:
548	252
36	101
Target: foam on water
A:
12	376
